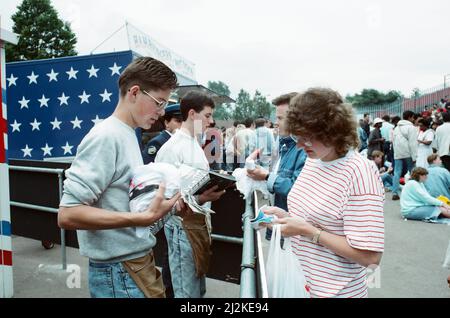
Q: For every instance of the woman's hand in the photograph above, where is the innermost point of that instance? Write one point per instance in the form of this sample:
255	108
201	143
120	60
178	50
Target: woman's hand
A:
294	225
273	210
290	225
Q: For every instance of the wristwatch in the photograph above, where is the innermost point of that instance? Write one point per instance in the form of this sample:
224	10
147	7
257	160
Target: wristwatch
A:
316	236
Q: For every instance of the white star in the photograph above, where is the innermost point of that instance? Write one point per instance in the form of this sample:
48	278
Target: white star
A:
106	96
33	78
76	123
12	80
56	124
27	151
115	69
15	126
84	98
24	102
63	99
47	150
52	76
72	73
92	71
67	148
96	120
44	101
35	125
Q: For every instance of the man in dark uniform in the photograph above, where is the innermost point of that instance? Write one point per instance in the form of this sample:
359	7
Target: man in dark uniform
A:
172	121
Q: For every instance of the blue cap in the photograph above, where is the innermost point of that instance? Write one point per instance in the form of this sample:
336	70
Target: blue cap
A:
173	109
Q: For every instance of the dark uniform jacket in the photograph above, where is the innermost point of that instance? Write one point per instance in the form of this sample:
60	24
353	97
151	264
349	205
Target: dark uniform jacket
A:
153	146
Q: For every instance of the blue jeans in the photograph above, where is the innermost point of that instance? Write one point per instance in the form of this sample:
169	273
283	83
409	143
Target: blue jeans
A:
185	282
387	180
112	280
398	168
426	212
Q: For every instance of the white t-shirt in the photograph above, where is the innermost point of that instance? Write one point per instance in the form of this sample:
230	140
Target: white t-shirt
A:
344	197
443	139
180	149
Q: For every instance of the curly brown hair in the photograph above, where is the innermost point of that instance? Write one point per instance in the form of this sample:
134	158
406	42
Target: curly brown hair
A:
322	114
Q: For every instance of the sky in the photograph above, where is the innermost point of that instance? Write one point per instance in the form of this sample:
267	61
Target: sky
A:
280	46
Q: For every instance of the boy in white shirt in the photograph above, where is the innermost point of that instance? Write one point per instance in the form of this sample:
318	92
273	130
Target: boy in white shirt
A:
188	239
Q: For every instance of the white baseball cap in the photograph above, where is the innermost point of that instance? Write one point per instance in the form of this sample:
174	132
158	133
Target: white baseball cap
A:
377	121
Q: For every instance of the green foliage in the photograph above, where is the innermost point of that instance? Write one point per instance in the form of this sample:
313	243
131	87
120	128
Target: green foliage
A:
262	107
373	97
41	33
245	107
416	93
222	111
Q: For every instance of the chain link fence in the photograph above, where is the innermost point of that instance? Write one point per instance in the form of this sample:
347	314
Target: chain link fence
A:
416	103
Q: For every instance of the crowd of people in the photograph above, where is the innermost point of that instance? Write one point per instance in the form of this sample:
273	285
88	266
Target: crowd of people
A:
325	173
416	145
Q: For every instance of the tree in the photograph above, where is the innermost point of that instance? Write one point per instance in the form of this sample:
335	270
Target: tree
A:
247	107
262	107
416	93
222	111
244	106
41	33
373	97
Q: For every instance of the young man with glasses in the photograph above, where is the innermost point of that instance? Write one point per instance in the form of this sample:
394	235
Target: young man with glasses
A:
95	200
189	239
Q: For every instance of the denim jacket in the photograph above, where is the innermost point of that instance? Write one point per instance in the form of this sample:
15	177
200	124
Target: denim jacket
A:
291	163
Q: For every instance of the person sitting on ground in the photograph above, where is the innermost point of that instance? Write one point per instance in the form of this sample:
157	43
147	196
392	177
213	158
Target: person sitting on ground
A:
384	168
417	204
438	182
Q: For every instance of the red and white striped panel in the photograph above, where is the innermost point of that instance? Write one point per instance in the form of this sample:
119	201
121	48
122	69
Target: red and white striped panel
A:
6	268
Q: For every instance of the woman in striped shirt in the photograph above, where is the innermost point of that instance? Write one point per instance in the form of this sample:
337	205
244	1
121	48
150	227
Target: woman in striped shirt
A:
335	217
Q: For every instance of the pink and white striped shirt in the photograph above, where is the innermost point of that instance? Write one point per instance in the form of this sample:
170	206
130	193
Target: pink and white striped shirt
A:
343	197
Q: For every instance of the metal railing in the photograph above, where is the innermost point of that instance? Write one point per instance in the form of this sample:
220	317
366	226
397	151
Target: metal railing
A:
248	265
261	268
58	172
250	254
253	274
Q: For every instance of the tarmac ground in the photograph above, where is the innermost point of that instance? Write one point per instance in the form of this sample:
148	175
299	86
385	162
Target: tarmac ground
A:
411	266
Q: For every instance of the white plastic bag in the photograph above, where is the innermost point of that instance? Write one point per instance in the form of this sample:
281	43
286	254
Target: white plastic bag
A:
285	277
247	185
447	257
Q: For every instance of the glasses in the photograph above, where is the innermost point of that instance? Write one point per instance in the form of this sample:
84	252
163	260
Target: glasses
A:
159	104
305	141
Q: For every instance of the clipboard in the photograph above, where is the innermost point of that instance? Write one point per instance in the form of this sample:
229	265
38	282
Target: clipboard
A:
223	181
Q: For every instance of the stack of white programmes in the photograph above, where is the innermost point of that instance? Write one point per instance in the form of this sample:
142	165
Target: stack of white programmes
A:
144	186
